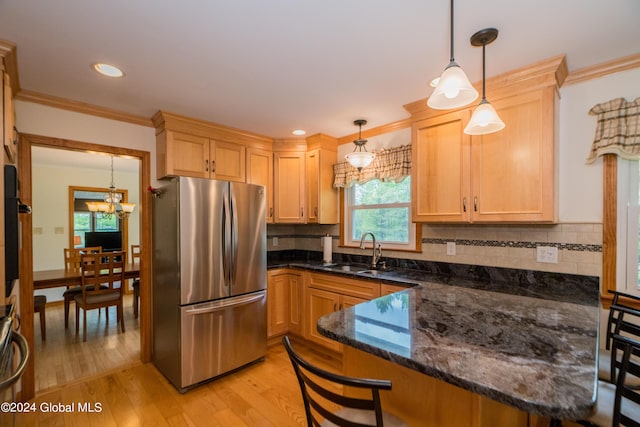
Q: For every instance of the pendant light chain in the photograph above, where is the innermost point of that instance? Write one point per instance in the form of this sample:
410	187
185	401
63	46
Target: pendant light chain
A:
452	58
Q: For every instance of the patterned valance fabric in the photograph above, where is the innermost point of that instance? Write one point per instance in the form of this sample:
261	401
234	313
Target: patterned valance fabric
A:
392	164
618	130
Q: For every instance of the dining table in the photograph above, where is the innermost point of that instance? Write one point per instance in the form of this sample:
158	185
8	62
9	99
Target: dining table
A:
45	279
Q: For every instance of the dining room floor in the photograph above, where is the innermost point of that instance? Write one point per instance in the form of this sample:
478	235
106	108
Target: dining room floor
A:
64	357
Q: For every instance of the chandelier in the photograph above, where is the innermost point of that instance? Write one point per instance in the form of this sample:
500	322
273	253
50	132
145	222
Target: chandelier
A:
112	204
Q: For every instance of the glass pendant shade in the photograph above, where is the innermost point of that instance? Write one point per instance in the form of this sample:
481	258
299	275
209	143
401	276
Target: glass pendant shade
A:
484	120
360	159
453	90
112	200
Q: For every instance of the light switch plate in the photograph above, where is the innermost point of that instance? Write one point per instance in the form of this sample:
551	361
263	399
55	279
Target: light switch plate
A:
275	241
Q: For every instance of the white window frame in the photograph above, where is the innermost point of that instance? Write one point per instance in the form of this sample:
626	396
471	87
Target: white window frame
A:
627	227
349	208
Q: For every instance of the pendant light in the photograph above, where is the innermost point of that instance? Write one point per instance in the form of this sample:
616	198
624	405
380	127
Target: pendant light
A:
485	119
360	157
453	89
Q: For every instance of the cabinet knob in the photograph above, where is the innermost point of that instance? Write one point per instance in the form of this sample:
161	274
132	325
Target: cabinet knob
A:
213	165
315	211
475	204
270	212
206	165
302	212
464	204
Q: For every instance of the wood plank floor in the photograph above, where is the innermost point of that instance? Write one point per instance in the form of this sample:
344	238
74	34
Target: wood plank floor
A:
65	358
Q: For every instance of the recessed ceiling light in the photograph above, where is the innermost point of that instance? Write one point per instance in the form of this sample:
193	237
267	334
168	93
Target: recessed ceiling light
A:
299	132
108	70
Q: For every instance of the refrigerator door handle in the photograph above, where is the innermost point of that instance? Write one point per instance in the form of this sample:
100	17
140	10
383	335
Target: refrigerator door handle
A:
222	305
226	240
234	237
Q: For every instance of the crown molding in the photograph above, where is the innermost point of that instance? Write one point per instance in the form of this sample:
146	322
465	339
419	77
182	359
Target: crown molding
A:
603	69
379	130
9	55
81	107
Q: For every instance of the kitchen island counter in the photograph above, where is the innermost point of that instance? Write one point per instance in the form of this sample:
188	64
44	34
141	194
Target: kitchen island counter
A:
531	353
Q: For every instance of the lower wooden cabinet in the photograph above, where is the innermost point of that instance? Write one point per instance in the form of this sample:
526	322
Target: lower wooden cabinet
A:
277	302
296	303
325	294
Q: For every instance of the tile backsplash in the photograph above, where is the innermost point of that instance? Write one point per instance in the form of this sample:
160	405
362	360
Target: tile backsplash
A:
579	245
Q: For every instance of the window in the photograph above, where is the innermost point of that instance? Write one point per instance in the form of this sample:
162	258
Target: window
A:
383	208
630	194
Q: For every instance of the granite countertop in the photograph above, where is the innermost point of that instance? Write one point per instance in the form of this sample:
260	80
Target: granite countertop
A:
525	338
538	355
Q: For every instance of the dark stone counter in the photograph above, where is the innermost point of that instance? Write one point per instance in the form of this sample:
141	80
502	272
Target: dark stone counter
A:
524	338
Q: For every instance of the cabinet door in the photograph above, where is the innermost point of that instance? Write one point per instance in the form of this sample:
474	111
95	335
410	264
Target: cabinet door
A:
227	161
387	289
181	154
348	301
260	171
277	304
322	198
289	185
440	183
513	170
296	304
321	303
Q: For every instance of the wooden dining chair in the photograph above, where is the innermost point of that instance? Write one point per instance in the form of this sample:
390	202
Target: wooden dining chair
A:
102	285
319	396
135	258
72	263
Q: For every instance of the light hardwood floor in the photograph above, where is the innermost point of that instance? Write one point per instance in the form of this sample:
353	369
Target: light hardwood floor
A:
64	357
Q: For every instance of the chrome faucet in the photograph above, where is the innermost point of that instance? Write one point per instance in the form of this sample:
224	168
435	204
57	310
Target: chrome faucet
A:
377	251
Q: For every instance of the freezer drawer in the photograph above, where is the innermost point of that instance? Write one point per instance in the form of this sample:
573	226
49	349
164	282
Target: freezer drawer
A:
222	335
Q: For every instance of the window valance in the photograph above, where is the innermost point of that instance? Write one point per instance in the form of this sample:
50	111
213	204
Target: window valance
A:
391	164
618	130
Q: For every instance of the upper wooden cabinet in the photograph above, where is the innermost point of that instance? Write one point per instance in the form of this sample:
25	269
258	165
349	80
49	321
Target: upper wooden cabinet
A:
289	188
260	171
189	147
181	154
507	176
322	198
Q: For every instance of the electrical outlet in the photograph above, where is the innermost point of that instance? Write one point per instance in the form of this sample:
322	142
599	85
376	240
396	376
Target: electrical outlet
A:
548	254
451	248
58	230
275	241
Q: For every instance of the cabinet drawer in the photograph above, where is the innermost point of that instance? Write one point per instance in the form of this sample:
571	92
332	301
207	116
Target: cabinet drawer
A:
364	289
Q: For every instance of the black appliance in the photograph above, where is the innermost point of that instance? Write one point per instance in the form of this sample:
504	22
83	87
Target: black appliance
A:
11	205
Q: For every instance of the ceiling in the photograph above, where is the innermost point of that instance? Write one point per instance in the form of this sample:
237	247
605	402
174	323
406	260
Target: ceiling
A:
273	66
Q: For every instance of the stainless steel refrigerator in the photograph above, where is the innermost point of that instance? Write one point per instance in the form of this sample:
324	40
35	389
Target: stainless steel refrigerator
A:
209	278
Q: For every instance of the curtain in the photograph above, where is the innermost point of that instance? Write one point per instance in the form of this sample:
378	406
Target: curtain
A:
618	130
391	164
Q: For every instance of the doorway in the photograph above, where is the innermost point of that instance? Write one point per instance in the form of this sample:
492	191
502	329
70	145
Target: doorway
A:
27	250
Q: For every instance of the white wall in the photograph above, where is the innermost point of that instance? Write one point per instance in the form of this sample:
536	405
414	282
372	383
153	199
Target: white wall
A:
47	121
50	208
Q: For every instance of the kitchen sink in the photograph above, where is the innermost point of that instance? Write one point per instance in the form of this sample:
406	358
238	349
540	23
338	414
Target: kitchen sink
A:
370	272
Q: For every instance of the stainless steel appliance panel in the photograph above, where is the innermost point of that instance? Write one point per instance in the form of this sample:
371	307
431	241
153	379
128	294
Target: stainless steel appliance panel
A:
204	224
220	336
249	241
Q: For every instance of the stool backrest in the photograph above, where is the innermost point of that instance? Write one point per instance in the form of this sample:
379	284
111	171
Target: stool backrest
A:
320	397
629	367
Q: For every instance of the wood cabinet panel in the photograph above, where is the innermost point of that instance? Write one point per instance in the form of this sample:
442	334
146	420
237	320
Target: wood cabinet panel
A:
513	170
322	198
289	191
260	171
363	289
441	159
321	303
386	289
227	161
181	154
296	304
277	303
